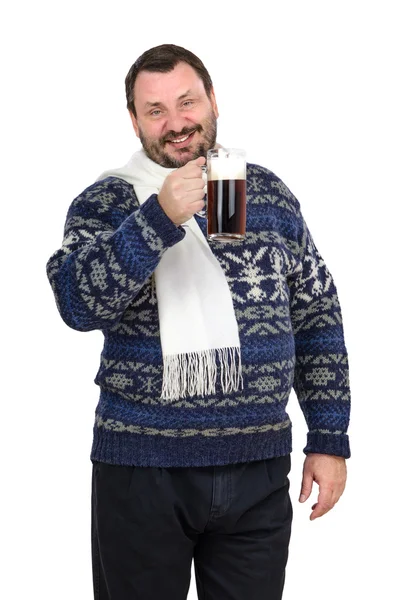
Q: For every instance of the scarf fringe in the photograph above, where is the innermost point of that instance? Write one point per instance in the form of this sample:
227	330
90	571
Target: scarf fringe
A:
195	373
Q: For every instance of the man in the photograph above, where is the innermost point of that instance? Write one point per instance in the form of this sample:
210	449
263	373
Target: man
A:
184	470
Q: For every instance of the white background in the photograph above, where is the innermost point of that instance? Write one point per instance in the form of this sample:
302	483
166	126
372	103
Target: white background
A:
308	89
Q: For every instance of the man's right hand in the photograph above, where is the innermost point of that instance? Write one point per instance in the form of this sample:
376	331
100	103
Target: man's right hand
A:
182	192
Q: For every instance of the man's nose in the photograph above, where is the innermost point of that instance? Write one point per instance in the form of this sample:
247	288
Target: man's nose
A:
176	122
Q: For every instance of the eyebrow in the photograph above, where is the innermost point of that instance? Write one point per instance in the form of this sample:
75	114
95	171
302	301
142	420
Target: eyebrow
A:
152	104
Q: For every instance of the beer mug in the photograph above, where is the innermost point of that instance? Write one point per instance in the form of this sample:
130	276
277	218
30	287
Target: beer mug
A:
226	194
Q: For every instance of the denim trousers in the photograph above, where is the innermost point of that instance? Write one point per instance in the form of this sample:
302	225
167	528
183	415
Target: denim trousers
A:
150	523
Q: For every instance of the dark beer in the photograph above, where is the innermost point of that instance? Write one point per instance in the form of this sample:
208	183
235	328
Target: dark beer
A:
226	209
226	195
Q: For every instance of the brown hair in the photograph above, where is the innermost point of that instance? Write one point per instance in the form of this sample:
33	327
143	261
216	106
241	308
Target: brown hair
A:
163	59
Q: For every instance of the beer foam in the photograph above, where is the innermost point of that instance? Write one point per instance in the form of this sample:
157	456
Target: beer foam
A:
226	168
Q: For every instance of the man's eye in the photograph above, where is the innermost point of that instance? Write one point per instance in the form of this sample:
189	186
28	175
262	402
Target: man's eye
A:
155	113
188	103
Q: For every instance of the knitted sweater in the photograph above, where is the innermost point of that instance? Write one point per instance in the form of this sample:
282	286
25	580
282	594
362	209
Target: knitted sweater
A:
288	315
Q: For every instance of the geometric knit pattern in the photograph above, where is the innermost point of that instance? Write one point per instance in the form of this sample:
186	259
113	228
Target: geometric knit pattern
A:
288	316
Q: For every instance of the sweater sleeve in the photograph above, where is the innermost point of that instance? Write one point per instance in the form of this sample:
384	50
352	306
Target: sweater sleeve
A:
321	378
107	254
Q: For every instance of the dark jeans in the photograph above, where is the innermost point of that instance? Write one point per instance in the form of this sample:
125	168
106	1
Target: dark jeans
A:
149	523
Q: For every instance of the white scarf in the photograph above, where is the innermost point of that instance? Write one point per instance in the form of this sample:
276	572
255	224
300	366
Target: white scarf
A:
196	314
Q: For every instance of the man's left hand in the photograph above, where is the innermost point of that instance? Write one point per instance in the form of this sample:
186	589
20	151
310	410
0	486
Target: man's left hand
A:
329	472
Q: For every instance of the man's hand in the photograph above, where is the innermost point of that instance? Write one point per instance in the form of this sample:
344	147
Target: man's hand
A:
329	472
182	192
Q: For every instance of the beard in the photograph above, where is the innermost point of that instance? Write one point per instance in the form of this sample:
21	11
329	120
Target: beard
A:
155	148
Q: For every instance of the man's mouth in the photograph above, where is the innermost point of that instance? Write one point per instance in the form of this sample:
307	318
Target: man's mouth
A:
181	141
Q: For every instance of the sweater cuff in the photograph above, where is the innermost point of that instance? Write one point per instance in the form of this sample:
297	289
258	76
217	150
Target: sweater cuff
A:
168	232
328	443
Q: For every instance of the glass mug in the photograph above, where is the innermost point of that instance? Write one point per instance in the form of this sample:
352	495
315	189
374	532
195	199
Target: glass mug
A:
226	194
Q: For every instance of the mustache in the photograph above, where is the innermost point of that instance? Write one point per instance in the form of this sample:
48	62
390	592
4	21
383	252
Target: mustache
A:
172	135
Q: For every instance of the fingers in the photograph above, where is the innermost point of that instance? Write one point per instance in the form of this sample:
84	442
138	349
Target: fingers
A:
191	191
325	502
186	187
193	184
197	205
307	484
192	169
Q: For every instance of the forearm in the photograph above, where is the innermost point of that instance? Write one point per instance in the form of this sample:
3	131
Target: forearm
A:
321	378
93	282
321	384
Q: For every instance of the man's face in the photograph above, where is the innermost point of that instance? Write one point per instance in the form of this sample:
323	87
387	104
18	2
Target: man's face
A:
176	121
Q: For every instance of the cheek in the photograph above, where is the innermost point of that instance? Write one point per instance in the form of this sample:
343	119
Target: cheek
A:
157	129
195	117
153	131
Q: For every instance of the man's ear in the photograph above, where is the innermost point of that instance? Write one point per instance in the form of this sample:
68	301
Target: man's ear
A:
134	123
213	102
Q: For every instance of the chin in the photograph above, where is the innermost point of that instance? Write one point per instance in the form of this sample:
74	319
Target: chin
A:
183	157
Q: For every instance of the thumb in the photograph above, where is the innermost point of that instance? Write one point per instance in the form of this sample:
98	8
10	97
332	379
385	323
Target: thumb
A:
199	161
307	485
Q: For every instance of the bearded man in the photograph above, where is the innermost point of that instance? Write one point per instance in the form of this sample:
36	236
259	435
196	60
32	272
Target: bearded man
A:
184	469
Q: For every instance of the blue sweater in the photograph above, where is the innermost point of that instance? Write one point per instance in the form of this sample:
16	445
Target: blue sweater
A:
287	310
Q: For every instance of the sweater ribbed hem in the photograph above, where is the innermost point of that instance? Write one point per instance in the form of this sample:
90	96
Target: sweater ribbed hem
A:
152	451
